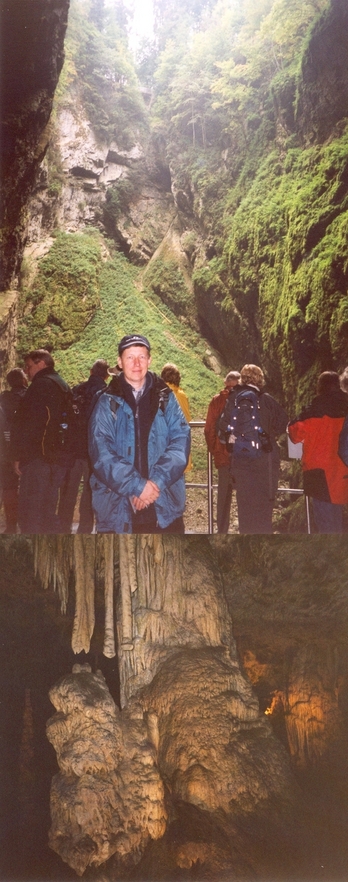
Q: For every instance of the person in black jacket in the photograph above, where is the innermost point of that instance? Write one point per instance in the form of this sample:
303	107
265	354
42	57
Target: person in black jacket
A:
84	397
40	460
256	479
9	402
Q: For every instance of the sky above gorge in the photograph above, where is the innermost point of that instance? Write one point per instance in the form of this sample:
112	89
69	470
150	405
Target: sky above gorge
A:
142	27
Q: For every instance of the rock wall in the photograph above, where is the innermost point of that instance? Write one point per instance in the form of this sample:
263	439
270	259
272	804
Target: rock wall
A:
323	87
80	169
8	332
32	56
291	587
32	39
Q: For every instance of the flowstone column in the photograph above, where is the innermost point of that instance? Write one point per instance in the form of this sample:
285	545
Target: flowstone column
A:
171	596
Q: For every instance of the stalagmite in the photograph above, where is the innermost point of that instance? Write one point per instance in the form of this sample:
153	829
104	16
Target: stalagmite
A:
109	635
84	555
108	797
190	721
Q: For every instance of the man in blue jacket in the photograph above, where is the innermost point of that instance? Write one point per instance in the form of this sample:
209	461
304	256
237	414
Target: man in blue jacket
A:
139	444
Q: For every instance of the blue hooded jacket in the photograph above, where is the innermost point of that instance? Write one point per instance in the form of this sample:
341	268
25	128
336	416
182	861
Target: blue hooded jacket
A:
112	448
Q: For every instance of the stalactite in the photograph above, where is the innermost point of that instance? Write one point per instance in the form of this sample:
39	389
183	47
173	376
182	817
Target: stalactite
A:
84	619
53	564
109	634
56	557
129	585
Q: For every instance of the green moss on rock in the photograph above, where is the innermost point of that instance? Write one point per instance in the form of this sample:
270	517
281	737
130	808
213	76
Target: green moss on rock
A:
64	295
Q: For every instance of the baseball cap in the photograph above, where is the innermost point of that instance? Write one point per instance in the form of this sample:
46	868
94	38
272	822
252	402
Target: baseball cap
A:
133	340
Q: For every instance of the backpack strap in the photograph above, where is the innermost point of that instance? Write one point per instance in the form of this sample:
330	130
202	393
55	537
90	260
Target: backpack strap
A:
114	405
62	385
163	398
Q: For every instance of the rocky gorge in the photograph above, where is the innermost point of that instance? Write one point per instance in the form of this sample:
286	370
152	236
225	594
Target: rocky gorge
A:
268	283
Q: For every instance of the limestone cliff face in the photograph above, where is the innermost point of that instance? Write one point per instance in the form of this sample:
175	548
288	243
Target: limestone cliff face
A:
74	193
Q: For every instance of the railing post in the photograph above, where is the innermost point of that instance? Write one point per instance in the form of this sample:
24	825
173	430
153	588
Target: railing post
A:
210	487
308	515
210	494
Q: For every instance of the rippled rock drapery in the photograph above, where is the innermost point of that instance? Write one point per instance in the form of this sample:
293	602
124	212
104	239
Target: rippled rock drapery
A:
313	716
168	599
190	722
214	747
108	796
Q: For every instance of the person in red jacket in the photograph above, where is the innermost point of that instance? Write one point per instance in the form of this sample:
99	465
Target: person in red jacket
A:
325	477
220	452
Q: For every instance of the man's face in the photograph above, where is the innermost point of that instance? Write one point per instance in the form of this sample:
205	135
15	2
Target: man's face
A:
31	367
135	362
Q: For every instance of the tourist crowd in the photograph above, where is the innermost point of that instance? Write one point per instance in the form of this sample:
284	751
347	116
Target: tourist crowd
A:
123	436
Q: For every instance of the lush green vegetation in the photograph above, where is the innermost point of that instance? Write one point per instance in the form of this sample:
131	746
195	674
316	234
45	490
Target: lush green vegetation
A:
165	278
125	308
100	69
59	304
227	84
288	241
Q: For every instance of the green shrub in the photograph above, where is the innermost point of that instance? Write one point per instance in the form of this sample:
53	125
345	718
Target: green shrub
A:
126	308
64	295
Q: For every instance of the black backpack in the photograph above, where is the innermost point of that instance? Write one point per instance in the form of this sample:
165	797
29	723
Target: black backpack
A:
60	436
245	436
84	400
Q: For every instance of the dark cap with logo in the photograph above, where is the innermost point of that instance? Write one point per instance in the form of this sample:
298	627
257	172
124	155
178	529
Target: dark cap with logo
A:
133	340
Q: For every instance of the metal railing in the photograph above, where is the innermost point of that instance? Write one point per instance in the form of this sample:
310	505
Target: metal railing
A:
211	487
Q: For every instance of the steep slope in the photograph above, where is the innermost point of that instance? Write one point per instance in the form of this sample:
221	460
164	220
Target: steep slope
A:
125	307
